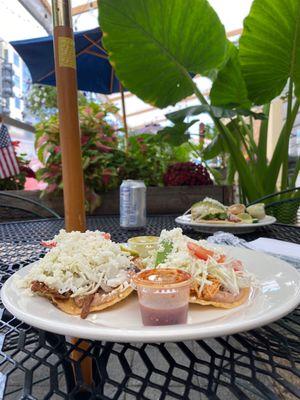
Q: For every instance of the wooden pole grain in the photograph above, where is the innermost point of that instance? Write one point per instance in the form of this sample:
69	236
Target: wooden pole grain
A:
66	83
70	142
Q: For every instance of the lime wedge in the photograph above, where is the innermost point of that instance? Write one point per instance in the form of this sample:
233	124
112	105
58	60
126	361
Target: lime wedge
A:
245	217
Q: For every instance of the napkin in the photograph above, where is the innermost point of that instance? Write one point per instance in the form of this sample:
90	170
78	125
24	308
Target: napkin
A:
286	251
278	247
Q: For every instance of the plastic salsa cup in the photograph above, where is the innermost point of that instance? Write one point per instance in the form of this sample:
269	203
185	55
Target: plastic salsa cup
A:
163	296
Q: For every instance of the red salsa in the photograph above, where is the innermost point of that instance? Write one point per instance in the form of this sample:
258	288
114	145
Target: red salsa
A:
169	316
163	296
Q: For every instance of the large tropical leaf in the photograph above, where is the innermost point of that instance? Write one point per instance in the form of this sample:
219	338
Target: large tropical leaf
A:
262	161
231	171
233	139
175	135
275	164
229	88
153	44
218	112
215	147
182	153
270	48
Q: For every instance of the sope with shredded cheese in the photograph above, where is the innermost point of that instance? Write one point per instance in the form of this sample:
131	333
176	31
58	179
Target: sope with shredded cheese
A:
81	263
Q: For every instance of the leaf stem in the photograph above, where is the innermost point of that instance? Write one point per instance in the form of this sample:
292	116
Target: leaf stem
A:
287	133
277	157
247	148
250	189
249	133
295	174
262	142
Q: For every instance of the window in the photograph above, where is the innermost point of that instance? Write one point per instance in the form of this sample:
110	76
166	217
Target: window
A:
25	85
17	81
17	102
26	79
16	60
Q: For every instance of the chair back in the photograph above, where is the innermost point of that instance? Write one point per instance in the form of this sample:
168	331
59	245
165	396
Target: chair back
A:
17	207
284	206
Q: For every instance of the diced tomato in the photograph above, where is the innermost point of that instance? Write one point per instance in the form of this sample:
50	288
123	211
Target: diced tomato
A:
48	243
202	253
237	265
222	258
106	236
199	252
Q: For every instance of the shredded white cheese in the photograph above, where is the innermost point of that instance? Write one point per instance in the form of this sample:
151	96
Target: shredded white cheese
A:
81	263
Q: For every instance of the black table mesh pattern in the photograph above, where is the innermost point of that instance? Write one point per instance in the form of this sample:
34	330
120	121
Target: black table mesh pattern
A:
260	364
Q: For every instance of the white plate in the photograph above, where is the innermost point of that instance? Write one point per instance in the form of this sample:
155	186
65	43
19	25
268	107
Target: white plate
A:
187	221
278	294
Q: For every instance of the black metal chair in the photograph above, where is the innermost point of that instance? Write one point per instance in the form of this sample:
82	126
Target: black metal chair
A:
16	207
284	206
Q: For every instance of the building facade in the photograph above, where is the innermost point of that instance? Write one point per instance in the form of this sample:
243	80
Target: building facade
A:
15	83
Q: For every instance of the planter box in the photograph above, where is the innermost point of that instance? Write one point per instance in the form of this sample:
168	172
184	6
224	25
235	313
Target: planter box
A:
168	200
160	200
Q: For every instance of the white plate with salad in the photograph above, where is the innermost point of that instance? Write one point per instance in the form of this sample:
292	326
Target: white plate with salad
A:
209	215
221	276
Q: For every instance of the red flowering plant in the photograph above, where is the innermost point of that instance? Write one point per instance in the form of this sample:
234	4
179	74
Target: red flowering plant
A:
17	182
187	174
100	155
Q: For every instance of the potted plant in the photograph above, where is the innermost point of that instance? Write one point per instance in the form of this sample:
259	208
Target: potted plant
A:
99	145
158	67
106	164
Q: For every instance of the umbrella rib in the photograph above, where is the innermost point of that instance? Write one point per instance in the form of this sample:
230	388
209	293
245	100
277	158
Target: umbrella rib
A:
93	53
112	79
95	43
46	76
53	70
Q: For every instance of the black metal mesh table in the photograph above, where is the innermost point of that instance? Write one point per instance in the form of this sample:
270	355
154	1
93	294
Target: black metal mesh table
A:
260	364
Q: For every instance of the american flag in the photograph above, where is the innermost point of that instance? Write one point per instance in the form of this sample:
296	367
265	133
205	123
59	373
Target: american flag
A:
8	162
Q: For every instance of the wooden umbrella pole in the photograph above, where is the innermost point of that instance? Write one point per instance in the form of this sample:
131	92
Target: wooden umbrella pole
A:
66	83
73	187
124	117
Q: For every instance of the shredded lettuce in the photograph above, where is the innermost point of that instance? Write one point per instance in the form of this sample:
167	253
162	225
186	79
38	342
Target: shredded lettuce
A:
179	256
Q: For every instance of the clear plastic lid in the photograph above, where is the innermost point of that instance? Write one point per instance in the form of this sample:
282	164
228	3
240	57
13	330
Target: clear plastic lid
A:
162	278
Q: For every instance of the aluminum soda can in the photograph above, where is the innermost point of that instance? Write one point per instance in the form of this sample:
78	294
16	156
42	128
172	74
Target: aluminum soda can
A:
132	204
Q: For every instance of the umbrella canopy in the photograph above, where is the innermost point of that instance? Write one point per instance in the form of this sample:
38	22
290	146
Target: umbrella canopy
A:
94	72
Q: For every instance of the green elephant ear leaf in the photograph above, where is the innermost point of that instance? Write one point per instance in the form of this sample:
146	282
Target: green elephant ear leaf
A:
216	146
229	88
177	134
153	45
270	48
218	112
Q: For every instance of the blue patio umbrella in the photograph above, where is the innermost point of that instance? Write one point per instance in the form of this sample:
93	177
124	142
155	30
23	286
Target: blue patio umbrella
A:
94	72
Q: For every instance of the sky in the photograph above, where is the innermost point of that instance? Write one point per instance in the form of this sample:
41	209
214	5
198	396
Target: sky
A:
16	23
231	12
